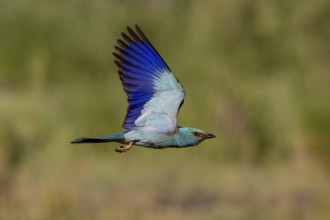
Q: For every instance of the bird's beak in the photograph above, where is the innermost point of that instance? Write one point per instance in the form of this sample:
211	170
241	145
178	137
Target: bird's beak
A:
208	136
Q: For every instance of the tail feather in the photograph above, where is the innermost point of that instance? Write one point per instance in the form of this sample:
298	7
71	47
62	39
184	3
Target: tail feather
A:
83	140
114	138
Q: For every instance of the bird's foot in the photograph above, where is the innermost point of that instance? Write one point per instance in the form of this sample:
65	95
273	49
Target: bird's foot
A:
124	148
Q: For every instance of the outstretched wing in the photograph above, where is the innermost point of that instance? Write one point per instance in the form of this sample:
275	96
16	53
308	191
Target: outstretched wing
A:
154	94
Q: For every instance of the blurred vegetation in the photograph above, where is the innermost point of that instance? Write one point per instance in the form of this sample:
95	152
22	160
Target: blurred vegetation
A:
256	74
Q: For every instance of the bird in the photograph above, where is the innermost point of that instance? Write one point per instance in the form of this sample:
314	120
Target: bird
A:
154	95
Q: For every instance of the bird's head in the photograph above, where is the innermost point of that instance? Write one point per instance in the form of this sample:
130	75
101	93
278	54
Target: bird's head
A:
195	135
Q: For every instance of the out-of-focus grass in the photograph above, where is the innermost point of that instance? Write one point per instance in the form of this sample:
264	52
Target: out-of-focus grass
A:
256	74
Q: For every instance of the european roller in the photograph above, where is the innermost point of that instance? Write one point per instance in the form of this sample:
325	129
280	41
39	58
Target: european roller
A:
155	97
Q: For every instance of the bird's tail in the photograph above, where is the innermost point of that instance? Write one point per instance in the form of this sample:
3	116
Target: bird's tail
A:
84	140
89	140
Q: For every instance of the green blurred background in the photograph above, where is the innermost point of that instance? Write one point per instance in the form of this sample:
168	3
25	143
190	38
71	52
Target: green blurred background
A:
256	74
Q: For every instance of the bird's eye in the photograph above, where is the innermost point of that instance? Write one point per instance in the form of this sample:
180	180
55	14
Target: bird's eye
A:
196	134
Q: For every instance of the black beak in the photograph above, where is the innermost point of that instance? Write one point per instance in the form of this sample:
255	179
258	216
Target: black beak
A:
208	136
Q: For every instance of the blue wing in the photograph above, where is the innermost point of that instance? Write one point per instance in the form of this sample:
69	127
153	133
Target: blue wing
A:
154	94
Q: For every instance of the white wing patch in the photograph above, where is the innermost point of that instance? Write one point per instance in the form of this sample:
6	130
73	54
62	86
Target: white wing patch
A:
160	112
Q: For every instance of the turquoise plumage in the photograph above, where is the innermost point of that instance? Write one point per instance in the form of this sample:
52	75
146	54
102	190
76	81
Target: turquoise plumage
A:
154	96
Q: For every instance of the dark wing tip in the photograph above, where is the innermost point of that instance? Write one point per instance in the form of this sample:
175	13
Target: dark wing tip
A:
122	44
127	38
133	35
117	63
116	55
141	34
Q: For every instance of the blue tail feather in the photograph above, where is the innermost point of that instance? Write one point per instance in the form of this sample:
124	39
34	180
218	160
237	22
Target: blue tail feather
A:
114	138
83	140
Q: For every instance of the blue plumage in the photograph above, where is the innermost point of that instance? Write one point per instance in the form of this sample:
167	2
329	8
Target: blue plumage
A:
154	97
139	67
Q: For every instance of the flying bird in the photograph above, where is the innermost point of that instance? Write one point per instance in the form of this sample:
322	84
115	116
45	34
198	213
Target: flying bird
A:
155	97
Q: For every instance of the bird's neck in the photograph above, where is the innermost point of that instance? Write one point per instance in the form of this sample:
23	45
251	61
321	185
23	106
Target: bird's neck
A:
184	138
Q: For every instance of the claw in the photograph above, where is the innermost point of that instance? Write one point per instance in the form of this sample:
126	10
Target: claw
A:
124	148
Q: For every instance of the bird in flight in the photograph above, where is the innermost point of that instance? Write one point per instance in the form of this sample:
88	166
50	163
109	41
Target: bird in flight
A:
155	97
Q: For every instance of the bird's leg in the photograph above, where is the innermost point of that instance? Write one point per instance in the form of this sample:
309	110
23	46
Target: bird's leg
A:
124	148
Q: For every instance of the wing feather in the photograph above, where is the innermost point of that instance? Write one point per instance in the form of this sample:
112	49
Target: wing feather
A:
154	94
